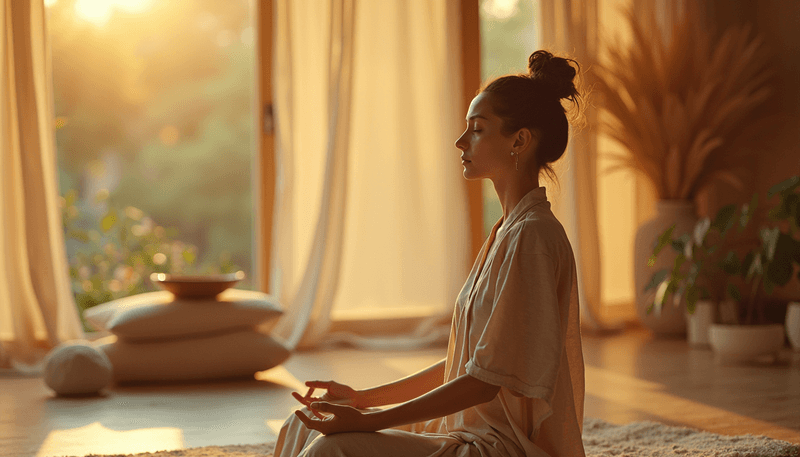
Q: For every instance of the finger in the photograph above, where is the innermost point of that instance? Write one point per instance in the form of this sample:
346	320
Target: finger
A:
311	419
333	401
319	384
310	391
325	407
304	400
300	398
307	403
307	421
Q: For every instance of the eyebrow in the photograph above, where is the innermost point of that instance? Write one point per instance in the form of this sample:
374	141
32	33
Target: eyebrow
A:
475	116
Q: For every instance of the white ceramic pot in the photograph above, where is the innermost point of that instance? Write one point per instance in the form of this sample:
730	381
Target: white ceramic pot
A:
683	214
745	343
793	324
698	323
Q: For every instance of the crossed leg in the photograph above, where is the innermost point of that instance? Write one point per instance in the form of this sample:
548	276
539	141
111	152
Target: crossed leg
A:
296	440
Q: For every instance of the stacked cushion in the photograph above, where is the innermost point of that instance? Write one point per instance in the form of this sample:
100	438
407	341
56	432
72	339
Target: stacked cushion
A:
159	337
239	353
161	315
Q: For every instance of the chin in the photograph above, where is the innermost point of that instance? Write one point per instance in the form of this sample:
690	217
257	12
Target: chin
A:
471	176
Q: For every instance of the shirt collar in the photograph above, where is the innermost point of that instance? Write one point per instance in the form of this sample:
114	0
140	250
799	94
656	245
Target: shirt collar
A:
534	197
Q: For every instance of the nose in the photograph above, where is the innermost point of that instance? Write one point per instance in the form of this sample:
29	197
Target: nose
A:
460	142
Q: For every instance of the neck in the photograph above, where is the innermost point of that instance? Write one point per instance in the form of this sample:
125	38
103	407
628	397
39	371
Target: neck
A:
511	191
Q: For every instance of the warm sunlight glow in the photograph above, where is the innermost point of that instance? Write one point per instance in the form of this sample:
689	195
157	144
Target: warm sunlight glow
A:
275	425
95	11
501	9
409	364
280	375
97	439
99	11
627	393
132	6
48	3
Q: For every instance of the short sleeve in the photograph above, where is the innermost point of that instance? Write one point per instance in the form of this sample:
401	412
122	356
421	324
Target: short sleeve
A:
521	343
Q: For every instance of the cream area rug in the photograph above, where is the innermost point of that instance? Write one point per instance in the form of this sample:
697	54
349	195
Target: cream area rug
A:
600	438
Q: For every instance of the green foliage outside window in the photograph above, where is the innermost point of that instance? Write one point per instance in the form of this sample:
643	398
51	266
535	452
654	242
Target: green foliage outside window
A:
113	251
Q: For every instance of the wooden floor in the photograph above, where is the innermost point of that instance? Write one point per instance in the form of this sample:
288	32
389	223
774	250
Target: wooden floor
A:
630	376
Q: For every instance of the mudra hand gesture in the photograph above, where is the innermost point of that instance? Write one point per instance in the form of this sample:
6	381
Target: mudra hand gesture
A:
341	401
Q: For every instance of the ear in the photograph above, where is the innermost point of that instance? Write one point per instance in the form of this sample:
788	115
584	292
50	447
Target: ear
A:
526	139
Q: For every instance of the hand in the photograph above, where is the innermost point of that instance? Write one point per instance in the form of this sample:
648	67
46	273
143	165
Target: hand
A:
342	418
307	401
336	393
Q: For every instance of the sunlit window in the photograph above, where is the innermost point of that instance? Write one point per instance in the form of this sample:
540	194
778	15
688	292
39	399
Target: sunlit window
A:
509	34
155	139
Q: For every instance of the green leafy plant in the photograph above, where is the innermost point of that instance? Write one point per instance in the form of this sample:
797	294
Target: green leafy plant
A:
706	258
114	251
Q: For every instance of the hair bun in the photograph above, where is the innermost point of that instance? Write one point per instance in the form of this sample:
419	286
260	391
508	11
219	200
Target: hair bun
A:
555	72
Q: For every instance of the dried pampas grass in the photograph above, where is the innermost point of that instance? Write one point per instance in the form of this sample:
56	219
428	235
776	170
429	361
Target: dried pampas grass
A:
681	108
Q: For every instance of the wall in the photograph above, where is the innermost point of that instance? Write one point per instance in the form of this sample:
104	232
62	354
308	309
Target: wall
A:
778	21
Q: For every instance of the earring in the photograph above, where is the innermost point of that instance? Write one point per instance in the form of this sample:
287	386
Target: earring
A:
516	160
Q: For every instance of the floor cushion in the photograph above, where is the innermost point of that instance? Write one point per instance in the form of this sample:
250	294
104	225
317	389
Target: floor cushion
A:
160	315
77	368
233	354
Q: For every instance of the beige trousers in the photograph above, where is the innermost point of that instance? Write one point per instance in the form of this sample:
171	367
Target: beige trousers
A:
410	440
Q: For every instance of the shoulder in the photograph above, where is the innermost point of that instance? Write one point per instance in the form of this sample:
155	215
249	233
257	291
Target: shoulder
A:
537	233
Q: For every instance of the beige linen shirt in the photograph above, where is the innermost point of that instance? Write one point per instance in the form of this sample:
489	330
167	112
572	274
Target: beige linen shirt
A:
516	325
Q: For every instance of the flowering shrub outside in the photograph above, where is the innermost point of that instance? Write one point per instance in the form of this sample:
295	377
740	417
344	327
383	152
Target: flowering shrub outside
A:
112	251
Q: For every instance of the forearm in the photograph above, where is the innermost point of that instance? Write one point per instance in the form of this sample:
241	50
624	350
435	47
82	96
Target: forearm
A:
407	388
459	394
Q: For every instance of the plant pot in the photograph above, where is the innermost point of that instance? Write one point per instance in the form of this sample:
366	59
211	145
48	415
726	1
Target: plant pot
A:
793	324
698	323
734	344
682	213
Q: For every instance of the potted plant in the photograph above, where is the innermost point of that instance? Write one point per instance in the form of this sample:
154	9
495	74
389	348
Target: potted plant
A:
743	332
694	277
683	111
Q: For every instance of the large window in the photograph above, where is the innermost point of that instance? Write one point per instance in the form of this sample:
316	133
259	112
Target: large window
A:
508	36
155	136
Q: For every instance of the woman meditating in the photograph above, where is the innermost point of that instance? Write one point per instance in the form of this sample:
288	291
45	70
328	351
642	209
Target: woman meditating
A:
512	383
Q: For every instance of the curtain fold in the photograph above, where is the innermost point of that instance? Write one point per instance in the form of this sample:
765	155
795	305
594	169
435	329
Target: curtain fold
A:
371	207
571	28
311	300
37	308
600	212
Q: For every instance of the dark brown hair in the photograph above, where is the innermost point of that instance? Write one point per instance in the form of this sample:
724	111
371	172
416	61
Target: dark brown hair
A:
533	100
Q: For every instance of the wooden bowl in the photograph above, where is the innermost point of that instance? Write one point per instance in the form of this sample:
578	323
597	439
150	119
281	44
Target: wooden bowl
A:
198	286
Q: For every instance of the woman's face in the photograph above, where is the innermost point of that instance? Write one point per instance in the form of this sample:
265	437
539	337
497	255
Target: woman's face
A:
486	152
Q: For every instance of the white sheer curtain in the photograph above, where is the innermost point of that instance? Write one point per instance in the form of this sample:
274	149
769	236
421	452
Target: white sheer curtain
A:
37	308
570	28
371	206
600	212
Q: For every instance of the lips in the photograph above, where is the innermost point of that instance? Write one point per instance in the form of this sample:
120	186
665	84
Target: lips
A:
464	160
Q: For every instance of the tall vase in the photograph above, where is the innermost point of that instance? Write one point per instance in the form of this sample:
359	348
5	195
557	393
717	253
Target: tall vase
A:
670	321
793	324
